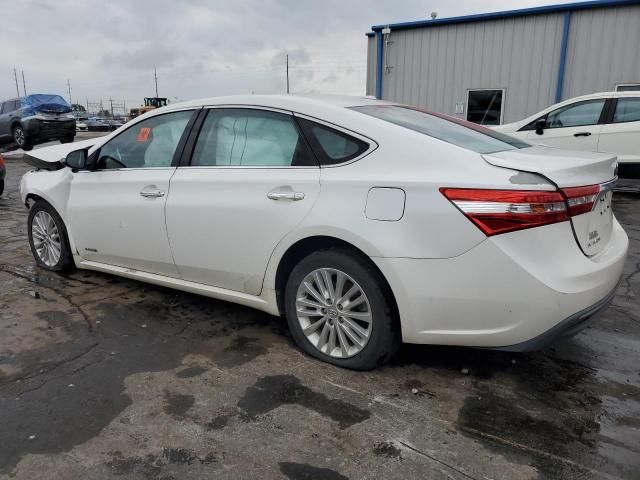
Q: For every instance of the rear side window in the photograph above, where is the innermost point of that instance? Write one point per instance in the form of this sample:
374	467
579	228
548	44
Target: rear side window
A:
10	106
332	146
457	132
627	110
250	138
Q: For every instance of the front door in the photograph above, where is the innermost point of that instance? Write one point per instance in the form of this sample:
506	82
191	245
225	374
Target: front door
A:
251	180
573	127
116	210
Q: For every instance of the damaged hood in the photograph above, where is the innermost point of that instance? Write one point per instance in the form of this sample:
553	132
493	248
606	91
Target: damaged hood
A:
50	158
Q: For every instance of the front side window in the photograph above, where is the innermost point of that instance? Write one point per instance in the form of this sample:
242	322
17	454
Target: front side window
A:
250	138
576	115
150	143
457	132
485	106
627	110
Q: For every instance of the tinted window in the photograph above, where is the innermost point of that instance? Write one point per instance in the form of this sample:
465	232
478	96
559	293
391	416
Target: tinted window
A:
627	110
251	138
447	129
485	107
150	143
576	115
332	146
10	106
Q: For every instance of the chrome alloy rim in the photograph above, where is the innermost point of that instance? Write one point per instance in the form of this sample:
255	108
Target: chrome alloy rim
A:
46	238
334	312
18	135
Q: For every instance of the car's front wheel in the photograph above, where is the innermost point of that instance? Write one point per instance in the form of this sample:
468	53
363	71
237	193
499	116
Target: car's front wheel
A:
338	310
20	137
48	238
68	139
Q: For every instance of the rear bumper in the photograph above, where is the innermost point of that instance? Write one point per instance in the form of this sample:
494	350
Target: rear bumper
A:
565	329
509	290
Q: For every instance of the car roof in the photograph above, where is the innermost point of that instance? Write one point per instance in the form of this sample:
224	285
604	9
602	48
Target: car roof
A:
286	102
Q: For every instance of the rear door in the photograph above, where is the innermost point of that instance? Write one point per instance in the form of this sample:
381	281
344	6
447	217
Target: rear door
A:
252	178
575	126
621	133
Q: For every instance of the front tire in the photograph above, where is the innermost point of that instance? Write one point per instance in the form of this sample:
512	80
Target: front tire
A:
20	137
48	238
68	139
338	310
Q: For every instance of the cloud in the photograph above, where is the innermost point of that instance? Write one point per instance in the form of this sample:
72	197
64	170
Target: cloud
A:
201	48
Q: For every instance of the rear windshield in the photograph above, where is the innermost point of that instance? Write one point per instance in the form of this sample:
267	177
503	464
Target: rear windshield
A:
451	130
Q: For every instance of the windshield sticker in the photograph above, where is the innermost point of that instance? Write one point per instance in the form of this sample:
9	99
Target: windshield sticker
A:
143	136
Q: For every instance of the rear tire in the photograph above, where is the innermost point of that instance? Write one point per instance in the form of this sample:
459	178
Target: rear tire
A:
67	139
48	238
357	344
1	186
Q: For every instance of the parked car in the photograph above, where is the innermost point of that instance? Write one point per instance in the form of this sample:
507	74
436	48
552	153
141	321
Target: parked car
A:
3	172
602	122
35	119
98	124
81	126
365	223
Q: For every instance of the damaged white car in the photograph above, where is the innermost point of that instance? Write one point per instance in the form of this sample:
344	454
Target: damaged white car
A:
365	223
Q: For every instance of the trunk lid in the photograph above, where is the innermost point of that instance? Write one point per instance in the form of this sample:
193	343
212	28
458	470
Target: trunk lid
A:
592	226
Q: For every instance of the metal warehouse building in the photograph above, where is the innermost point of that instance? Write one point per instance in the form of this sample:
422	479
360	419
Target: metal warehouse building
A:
501	67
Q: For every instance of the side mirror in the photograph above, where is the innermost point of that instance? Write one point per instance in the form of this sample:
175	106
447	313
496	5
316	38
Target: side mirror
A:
541	124
77	160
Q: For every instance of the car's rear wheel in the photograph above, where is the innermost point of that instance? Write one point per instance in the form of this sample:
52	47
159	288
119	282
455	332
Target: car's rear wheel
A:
68	139
48	238
1	186
338	310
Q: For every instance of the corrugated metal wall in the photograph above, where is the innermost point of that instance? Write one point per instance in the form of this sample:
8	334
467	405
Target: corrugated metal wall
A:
372	64
604	50
434	66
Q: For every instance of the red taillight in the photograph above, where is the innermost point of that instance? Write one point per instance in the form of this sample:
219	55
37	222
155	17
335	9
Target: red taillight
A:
1	161
502	211
581	199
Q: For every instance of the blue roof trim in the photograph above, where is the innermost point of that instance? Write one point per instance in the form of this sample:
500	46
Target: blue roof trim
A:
564	7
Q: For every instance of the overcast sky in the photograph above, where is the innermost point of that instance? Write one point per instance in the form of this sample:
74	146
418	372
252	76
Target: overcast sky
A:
201	48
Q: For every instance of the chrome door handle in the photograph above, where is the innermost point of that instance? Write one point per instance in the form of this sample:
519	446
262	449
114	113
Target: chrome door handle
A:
152	193
295	196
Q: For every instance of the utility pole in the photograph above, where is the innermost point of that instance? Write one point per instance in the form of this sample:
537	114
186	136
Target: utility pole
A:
69	90
24	84
287	73
111	103
155	76
15	76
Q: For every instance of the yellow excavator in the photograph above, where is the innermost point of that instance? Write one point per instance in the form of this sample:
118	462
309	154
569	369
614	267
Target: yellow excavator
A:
150	103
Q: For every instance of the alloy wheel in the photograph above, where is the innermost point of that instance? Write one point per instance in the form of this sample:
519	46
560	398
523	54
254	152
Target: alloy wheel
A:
46	238
18	136
334	313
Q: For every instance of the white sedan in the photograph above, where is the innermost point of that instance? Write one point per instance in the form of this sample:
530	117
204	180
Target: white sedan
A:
365	223
601	122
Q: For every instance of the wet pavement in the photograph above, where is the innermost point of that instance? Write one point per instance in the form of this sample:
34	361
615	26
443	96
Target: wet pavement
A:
107	378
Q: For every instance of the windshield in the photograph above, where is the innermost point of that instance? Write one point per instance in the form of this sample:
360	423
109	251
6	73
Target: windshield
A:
448	129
